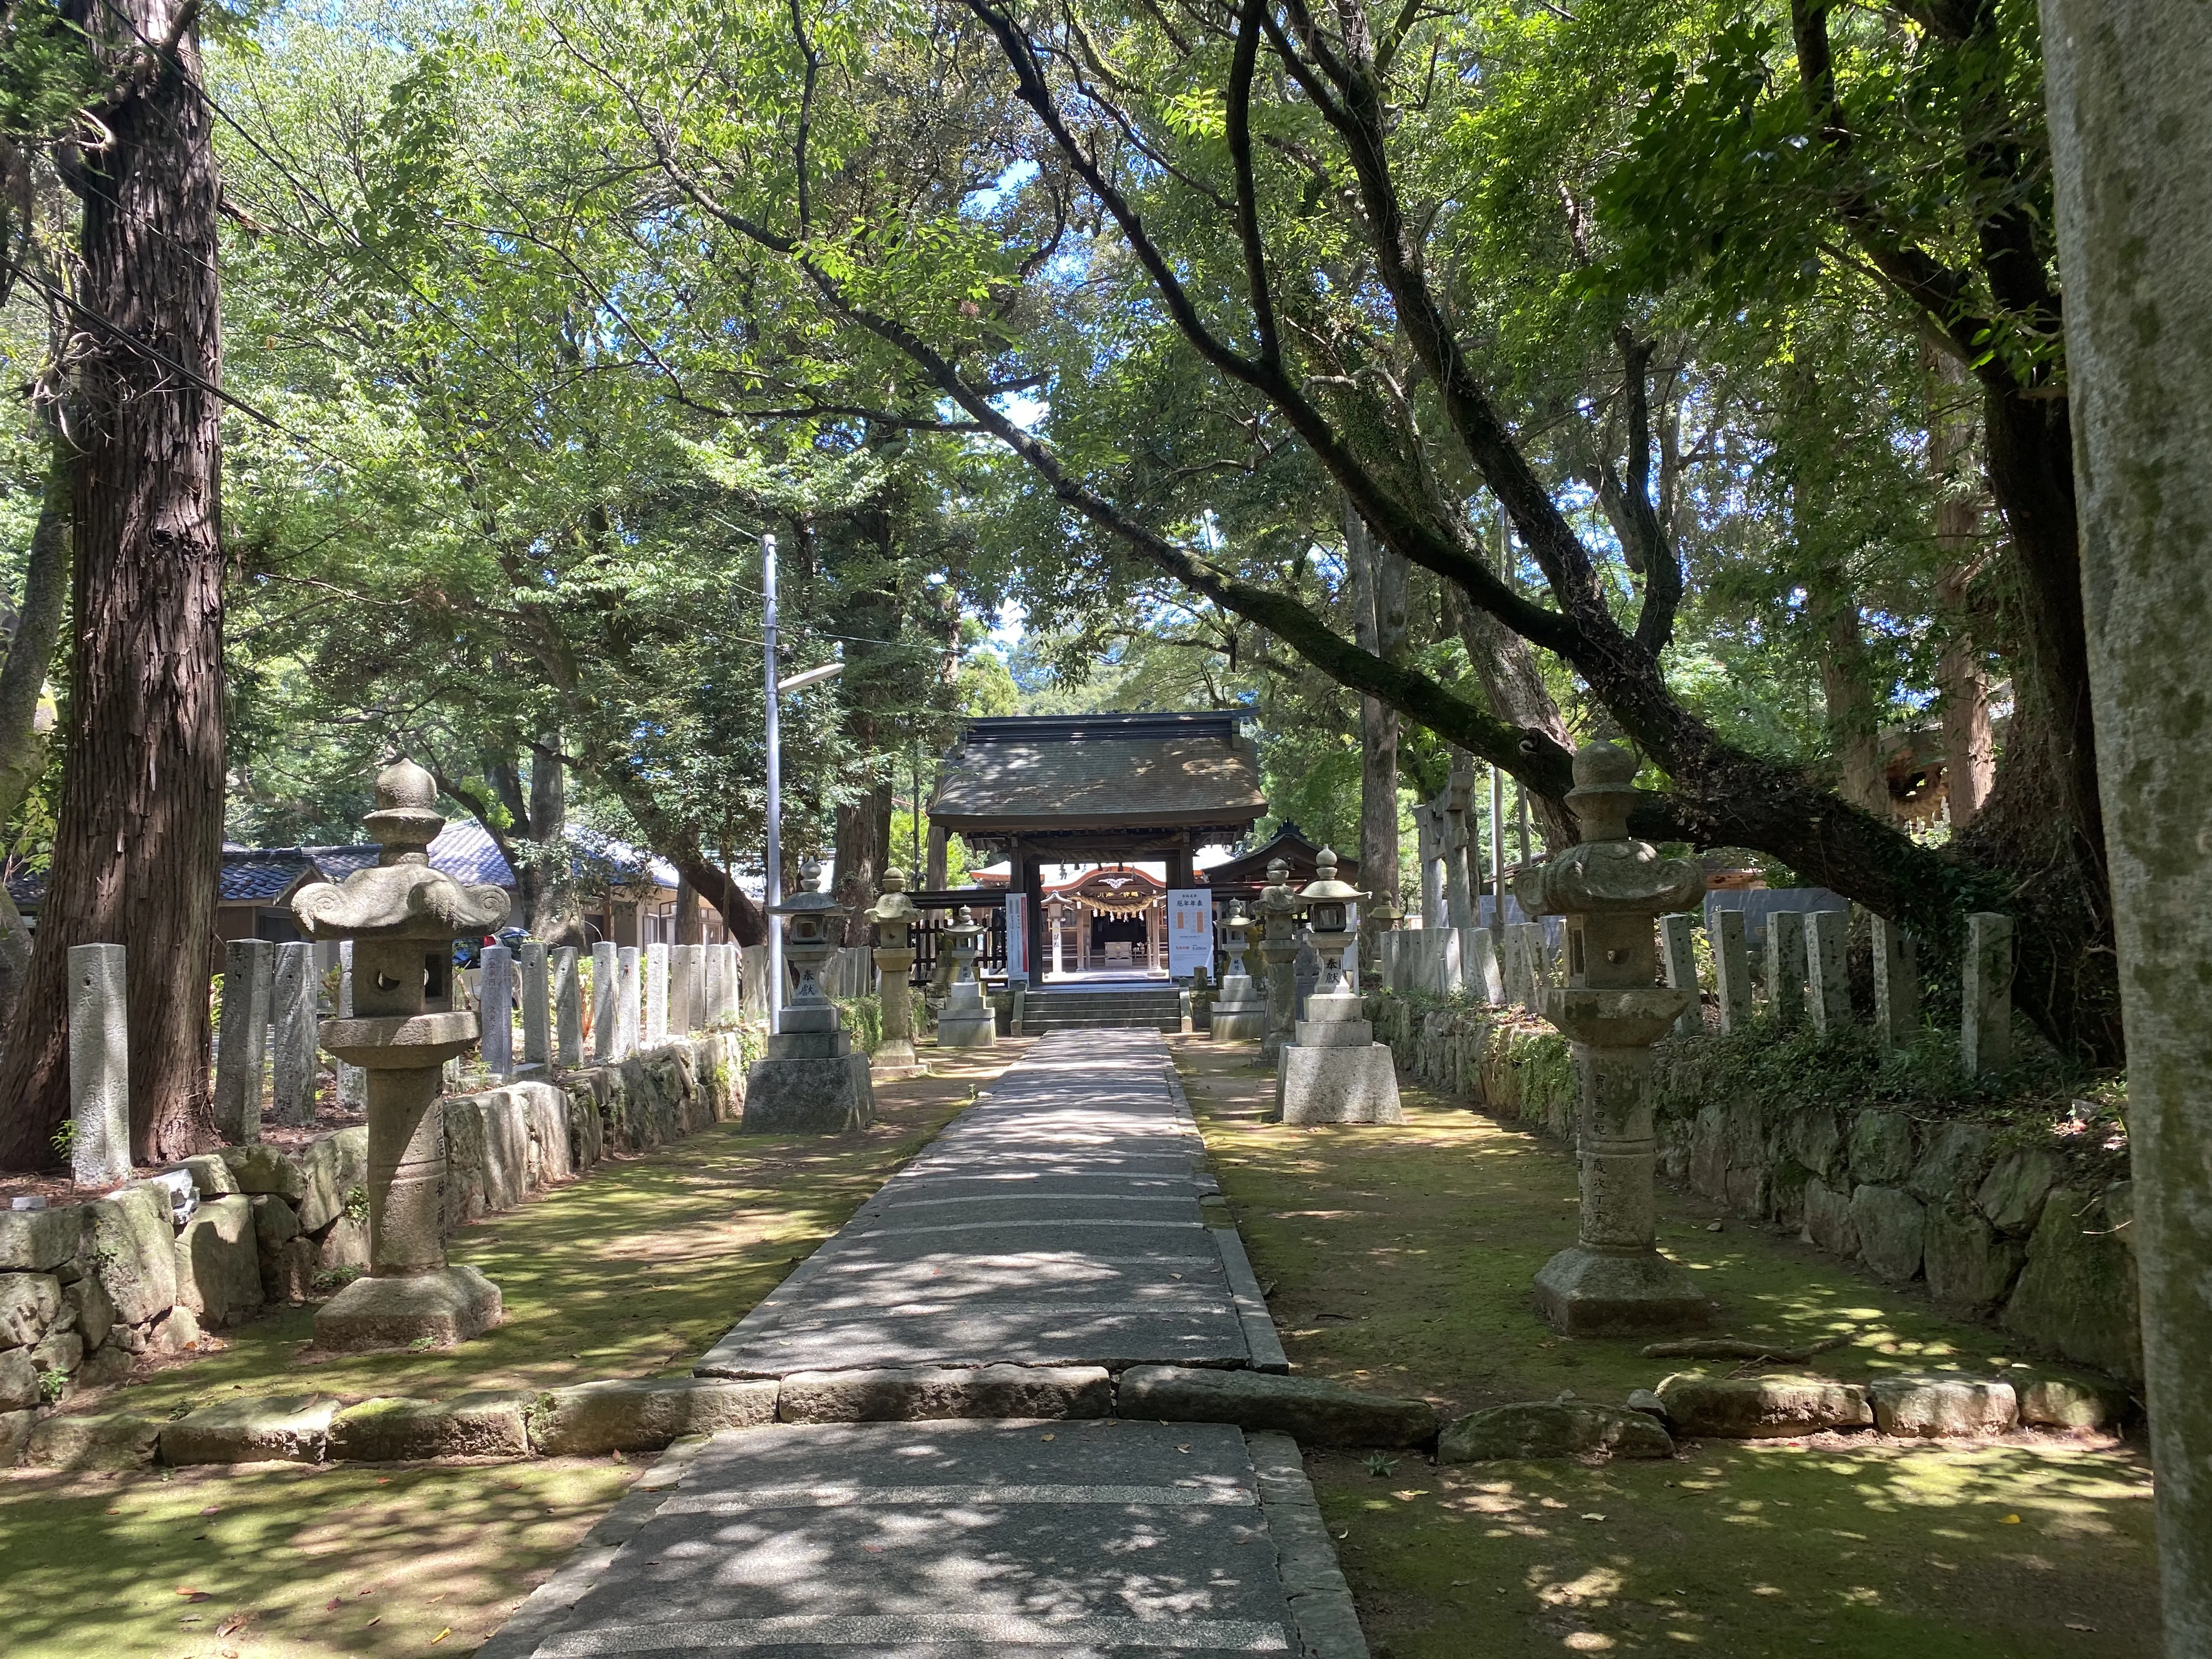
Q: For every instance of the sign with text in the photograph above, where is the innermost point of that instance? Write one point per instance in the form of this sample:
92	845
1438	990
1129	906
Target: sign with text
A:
1190	931
1017	936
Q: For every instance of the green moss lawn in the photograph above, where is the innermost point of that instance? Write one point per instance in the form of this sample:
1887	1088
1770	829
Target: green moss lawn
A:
1401	1259
630	1271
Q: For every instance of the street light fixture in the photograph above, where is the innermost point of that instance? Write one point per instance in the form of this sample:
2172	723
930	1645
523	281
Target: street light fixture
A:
772	885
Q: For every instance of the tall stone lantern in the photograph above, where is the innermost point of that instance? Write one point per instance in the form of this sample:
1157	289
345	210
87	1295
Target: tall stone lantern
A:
402	918
1279	908
1335	1071
810	1082
966	1020
893	914
1240	1012
1611	889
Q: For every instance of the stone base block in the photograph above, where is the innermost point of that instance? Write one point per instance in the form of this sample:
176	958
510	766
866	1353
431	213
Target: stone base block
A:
120	1440
593	1419
1929	1407
978	1029
1233	1024
393	1431
1762	1408
1337	1086
1545	1428
894	1059
808	1097
450	1305
285	1428
1583	1292
1334	1034
1314	1411
915	1394
810	1045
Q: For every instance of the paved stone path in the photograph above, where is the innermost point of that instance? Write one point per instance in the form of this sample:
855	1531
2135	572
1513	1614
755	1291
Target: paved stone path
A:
1059	1222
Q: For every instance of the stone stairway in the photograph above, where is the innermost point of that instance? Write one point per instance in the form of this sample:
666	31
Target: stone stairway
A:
1139	1008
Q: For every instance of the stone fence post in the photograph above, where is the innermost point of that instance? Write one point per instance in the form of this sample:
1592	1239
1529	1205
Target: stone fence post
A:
1828	969
684	964
1731	968
626	1003
496	1012
656	995
605	999
1785	966
536	1012
242	1055
568	1008
294	1097
99	1066
1896	984
1985	1014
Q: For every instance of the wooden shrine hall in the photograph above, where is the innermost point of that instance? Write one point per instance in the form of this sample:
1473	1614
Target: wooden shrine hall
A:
1111	789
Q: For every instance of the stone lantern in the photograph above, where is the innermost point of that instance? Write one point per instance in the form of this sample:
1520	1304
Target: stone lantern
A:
893	915
1240	1012
402	918
966	1021
1335	1071
1279	908
1611	889
811	1082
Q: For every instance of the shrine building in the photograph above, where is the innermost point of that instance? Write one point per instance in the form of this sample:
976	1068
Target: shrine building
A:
1111	790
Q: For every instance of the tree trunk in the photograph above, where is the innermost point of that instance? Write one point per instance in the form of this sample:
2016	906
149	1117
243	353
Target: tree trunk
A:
689	928
863	847
2132	157
1969	759
30	654
139	835
1853	726
1378	607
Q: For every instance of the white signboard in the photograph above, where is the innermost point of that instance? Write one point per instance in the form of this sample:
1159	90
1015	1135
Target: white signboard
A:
1017	936
1190	931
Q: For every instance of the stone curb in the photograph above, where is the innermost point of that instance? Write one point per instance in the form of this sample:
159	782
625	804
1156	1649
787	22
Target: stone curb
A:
1305	1557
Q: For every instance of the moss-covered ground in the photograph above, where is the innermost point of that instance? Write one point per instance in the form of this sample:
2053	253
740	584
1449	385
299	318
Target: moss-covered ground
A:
631	1270
1399	1259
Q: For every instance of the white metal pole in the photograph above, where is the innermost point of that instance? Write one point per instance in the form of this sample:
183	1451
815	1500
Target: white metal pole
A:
773	888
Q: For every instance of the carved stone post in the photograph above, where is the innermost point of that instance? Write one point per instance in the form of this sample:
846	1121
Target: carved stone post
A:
966	1021
1279	909
402	917
1612	1009
893	915
1335	1071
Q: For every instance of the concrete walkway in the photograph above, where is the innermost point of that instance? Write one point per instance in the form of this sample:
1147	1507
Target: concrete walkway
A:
1055	1231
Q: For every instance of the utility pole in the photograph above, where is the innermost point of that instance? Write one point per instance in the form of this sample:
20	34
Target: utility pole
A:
772	888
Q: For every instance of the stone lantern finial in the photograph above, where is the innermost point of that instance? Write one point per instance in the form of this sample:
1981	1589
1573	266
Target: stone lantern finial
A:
406	819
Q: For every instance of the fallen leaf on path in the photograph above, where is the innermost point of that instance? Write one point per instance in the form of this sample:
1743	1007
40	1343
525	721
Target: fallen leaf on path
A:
441	1636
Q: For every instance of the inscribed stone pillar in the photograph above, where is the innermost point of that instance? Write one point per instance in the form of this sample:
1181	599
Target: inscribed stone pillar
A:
568	1008
1479	960
1678	957
713	967
684	964
294	1099
626	1001
1896	984
1986	1007
241	1058
893	915
1279	908
1785	966
1459	901
536	1012
1428	832
606	1000
656	995
99	1066
496	1011
352	1081
734	980
1731	969
1828	988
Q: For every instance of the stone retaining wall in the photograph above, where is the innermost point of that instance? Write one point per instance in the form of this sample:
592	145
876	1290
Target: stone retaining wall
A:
85	1289
1992	1230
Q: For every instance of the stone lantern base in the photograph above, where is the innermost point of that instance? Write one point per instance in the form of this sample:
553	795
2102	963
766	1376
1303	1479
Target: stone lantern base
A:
445	1306
1583	1292
811	1084
967	1021
1335	1071
1240	1012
